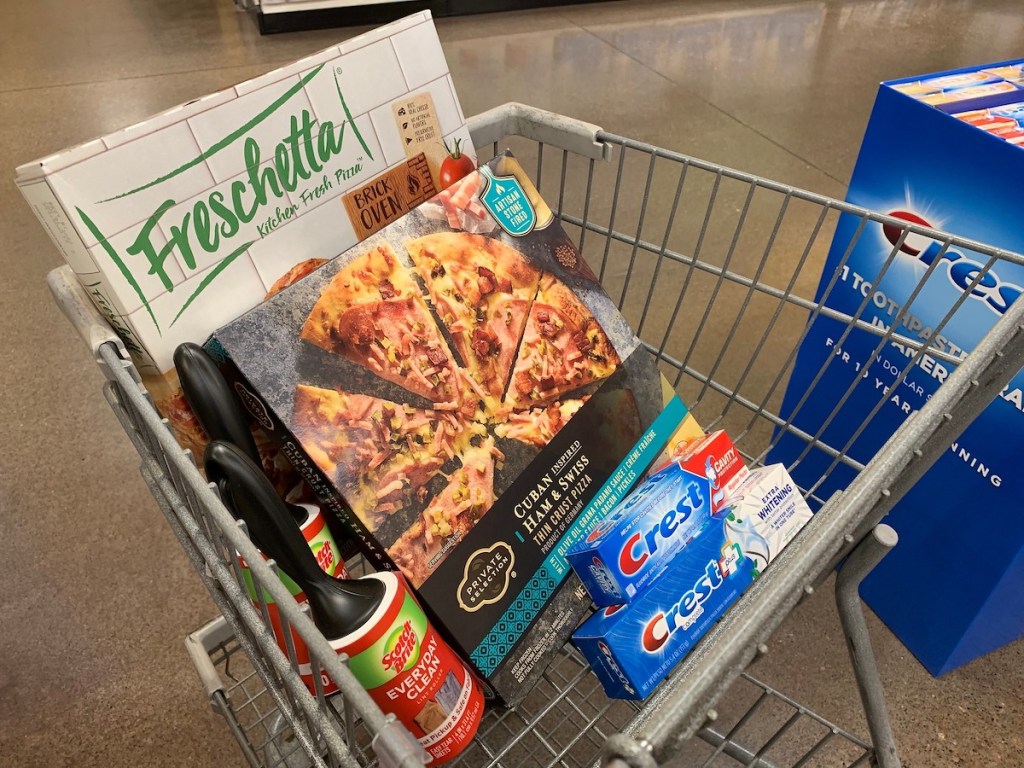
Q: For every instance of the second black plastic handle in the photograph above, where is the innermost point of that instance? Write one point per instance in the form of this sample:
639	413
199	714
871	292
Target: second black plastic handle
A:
339	606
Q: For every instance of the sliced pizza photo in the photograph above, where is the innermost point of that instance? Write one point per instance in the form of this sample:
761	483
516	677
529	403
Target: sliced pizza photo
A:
373	313
538	426
563	348
381	454
450	515
481	290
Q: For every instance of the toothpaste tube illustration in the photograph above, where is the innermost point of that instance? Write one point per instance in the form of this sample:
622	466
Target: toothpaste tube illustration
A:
634	544
764	513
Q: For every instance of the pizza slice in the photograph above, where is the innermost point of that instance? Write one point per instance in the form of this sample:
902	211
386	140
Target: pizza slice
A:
450	515
293	275
563	348
538	426
481	290
380	454
372	313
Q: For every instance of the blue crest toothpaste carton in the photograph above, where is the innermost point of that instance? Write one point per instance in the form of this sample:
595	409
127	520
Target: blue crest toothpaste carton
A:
633	647
635	543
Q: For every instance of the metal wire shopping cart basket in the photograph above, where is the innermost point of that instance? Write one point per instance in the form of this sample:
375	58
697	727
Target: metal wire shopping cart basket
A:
713	276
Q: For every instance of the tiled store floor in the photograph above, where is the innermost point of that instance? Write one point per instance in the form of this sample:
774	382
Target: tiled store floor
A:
96	594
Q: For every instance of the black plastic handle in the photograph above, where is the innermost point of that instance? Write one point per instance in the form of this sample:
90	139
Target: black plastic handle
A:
212	400
339	606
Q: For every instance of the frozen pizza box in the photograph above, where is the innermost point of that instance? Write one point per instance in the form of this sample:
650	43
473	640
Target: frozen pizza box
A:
184	221
465	397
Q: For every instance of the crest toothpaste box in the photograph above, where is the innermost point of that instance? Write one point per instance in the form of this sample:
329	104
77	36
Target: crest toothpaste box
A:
764	513
715	457
635	543
906	170
633	647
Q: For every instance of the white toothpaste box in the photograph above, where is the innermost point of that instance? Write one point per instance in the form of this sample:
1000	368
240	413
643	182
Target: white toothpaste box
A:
181	223
764	514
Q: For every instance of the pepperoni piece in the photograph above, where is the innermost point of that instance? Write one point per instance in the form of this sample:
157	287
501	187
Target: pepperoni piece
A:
387	290
483	342
488	282
435	355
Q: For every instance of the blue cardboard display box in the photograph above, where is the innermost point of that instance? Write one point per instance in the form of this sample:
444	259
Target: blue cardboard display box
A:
954	587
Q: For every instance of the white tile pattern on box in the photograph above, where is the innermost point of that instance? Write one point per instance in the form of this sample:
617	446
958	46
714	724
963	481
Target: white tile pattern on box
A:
148	281
445	106
125	168
322	233
273	126
420	54
211	308
382	33
169	117
367	78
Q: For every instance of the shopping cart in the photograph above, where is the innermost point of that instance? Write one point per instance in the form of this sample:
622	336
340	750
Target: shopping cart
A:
713	275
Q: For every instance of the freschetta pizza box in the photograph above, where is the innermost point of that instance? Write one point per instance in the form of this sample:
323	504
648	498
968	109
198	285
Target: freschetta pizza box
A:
465	397
184	221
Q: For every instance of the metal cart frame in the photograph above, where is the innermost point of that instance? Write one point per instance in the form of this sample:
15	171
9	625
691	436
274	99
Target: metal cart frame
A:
268	697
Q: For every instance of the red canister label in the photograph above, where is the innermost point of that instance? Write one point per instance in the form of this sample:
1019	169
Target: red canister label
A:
322	544
410	671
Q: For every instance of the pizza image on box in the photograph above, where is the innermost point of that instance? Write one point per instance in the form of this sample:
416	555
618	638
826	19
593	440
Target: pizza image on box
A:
471	327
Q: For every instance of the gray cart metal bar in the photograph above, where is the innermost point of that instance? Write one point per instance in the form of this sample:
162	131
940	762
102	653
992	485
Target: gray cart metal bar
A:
712	251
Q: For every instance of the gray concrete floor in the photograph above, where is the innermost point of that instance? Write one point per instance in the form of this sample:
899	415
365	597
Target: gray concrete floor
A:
97	595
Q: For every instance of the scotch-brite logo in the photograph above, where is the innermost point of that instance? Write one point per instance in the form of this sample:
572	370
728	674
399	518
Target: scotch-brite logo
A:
643	544
660	627
213	223
401	649
506	200
961	271
486	576
325	557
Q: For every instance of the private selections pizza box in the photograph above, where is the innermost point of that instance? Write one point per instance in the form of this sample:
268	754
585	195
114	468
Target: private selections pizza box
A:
184	221
462	393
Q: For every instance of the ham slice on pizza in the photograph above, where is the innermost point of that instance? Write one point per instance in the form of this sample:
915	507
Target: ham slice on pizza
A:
563	348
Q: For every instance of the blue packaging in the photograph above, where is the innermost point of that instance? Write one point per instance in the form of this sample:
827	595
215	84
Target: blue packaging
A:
954	587
633	647
638	539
